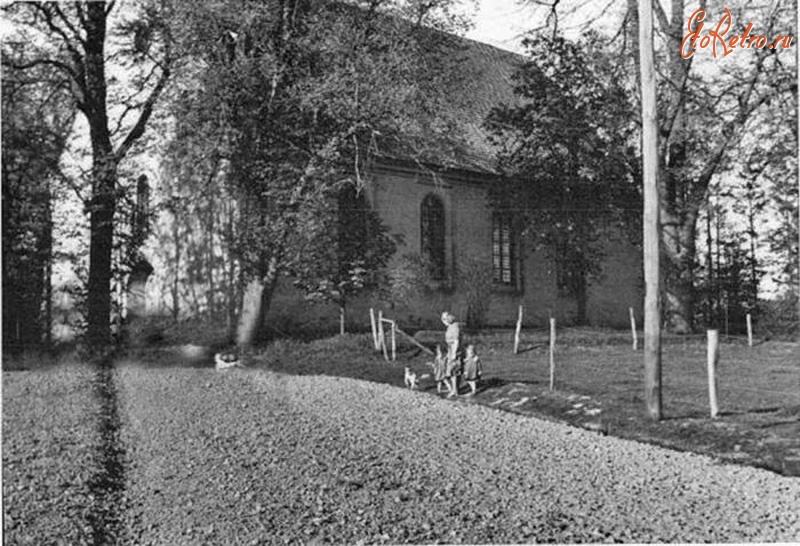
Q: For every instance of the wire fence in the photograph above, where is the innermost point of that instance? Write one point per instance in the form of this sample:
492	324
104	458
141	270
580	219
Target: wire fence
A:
601	363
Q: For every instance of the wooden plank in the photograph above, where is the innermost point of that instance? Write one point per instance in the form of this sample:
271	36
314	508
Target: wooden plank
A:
414	341
516	333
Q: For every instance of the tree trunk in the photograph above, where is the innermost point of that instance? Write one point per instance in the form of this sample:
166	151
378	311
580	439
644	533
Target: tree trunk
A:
100	247
679	250
232	282
210	257
104	178
47	273
581	298
255	304
709	269
176	268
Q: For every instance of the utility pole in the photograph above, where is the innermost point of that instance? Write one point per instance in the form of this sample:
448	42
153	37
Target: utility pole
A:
652	274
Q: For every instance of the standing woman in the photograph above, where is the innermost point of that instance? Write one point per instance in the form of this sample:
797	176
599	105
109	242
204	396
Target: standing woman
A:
452	337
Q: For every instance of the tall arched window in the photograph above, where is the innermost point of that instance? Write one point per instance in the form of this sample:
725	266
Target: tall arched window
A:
433	234
504	250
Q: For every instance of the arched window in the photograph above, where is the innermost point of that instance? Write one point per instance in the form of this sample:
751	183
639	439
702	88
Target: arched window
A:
432	234
504	250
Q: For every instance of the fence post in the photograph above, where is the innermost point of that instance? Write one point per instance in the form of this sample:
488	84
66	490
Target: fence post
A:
516	333
382	335
749	330
394	343
552	352
713	359
374	329
633	329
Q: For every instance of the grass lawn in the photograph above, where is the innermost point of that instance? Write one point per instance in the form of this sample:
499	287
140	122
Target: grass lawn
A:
758	387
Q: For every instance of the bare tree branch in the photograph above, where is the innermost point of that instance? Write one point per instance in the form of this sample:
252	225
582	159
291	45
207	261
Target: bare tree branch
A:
661	15
63	67
67	23
147	110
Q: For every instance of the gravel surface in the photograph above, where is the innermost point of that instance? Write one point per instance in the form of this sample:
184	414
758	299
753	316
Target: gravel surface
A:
51	456
249	456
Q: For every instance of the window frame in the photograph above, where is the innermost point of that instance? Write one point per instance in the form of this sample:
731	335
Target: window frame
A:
505	252
433	235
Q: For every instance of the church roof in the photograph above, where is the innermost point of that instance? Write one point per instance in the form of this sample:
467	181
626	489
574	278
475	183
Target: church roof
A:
488	85
484	81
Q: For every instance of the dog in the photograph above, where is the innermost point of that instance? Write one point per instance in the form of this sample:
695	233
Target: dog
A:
411	379
224	361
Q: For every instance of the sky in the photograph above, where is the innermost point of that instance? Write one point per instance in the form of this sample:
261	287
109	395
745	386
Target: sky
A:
501	22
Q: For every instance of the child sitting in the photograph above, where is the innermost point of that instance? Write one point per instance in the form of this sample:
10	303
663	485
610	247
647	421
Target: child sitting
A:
472	369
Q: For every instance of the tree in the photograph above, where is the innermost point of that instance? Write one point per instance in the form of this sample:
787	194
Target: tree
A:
37	118
351	251
703	114
707	106
73	41
297	98
567	156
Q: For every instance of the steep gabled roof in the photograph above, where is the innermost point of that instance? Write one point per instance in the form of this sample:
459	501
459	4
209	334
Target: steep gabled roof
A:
483	81
488	84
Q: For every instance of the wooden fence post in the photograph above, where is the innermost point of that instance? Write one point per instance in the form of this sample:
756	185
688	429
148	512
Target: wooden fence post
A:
374	329
394	343
713	359
516	333
633	330
382	335
552	352
749	330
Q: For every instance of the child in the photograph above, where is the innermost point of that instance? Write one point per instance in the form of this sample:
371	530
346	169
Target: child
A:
472	369
439	365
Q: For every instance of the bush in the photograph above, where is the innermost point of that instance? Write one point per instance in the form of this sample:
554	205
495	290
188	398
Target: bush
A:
779	317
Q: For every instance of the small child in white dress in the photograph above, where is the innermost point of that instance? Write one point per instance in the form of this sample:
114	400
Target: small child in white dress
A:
439	366
472	369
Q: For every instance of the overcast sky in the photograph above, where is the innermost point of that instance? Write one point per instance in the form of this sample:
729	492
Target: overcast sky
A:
501	22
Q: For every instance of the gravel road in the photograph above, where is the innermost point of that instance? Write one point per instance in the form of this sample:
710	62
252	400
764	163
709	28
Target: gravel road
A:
51	456
250	457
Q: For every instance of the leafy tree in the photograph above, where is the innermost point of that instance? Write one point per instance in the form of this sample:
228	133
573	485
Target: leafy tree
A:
297	98
37	118
707	108
81	45
567	156
351	250
475	279
409	278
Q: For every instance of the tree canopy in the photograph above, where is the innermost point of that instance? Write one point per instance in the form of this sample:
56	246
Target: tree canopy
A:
295	99
567	153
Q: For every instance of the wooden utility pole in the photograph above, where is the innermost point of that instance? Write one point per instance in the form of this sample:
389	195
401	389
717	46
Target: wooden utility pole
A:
652	279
